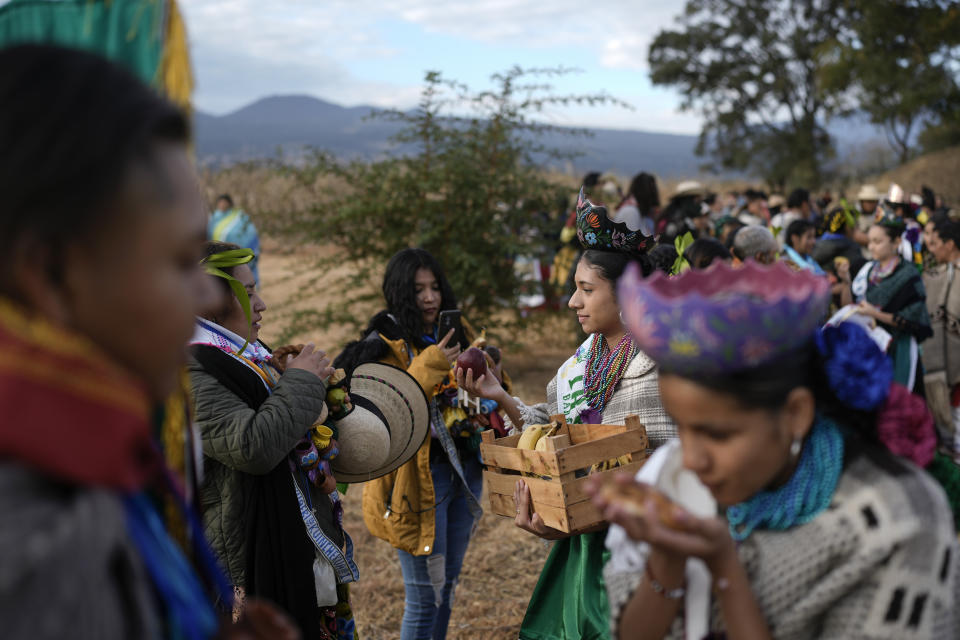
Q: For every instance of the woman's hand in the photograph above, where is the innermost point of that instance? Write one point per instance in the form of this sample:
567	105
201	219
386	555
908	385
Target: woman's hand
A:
313	360
486	386
867	309
843	272
529	521
705	538
450	353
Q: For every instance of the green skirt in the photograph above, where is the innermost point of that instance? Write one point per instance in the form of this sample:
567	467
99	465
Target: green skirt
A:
570	599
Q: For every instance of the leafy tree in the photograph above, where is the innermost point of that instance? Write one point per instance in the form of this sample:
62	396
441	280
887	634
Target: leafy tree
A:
750	68
467	184
896	61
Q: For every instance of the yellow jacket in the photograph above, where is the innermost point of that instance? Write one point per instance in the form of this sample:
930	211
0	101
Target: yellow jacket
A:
398	507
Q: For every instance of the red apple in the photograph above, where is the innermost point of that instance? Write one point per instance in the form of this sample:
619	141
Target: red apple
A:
473	359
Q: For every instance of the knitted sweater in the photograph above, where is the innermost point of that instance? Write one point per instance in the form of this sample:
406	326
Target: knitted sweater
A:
882	562
637	393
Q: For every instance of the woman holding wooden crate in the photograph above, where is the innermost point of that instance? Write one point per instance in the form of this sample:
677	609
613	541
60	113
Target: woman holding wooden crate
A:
606	380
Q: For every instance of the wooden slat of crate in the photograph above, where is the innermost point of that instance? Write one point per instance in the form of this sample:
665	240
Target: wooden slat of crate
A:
500	453
574	492
507	457
548	492
581	456
577	517
543	492
580	433
549	499
506	441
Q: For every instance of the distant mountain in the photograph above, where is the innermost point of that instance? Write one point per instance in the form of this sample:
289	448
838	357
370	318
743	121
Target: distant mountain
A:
294	123
291	124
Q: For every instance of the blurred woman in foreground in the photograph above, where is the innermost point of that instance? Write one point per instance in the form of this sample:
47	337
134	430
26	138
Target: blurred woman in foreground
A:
797	438
102	232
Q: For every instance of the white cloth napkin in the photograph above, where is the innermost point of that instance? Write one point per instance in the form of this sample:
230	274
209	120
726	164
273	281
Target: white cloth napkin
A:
665	471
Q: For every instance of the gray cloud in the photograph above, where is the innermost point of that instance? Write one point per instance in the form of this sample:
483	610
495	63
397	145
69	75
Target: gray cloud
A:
245	49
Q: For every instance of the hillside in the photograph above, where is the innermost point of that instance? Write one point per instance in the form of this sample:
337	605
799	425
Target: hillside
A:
939	170
289	125
294	123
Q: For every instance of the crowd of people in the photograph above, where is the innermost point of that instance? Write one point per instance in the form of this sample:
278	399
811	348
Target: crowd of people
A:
165	474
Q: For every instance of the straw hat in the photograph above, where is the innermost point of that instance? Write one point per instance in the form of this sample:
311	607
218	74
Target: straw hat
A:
388	424
776	200
689	188
868	193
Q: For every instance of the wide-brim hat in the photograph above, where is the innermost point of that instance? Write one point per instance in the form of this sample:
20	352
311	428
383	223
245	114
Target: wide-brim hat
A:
389	422
689	188
868	193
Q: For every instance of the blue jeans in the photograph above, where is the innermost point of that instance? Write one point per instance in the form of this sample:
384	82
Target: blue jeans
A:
429	581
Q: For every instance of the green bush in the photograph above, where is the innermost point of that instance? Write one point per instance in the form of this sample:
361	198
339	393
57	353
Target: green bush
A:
466	182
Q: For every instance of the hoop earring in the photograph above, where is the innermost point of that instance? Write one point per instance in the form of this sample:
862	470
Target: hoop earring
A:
795	447
622	321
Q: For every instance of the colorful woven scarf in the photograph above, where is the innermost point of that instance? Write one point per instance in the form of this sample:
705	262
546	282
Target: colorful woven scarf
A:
89	426
807	493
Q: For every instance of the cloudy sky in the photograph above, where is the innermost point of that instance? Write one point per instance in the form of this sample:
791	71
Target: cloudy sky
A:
367	52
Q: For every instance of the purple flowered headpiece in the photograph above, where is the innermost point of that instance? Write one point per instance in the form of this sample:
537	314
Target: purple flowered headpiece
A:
597	231
722	319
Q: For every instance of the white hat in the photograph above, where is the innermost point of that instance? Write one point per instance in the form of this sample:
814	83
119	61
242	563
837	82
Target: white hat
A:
868	193
389	422
689	188
896	194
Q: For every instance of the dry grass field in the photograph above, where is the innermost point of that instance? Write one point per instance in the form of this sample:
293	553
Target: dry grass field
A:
502	562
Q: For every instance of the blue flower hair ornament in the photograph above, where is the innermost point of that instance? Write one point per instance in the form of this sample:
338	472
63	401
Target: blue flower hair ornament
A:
859	373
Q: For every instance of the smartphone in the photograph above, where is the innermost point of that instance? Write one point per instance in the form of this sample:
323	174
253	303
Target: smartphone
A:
451	320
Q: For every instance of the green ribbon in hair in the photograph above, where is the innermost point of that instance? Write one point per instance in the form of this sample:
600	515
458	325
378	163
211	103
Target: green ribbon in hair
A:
681	243
215	263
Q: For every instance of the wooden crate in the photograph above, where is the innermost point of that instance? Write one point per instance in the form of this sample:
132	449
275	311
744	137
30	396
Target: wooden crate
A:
558	494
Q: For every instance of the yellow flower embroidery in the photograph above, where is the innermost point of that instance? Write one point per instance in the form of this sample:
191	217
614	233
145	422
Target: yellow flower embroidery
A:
684	347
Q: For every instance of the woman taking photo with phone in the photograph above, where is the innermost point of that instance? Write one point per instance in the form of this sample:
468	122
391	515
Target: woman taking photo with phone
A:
427	508
606	380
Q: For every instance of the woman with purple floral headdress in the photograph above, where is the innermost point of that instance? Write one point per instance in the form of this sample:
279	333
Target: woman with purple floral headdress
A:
793	504
606	380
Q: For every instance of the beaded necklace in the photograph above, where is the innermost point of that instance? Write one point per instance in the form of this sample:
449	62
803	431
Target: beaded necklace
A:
605	368
882	270
807	493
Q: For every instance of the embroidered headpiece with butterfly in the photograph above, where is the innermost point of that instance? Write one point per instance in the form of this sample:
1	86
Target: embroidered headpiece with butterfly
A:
596	230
